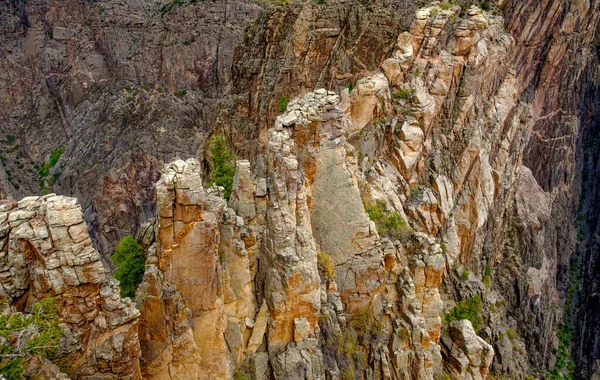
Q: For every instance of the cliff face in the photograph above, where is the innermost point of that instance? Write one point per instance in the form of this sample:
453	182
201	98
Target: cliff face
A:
429	158
119	86
45	250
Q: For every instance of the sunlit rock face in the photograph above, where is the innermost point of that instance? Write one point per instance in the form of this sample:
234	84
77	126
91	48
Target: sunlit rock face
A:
45	251
421	208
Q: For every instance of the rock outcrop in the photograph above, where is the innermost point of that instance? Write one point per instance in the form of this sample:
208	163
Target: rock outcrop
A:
431	162
198	279
45	251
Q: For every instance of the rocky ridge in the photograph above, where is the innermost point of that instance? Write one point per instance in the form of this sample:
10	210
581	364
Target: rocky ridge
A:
242	284
45	251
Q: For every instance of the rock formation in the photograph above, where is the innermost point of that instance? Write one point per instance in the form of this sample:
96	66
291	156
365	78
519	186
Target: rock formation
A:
422	208
45	251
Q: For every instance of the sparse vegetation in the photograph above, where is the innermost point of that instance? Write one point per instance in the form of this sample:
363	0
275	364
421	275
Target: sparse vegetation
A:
434	12
131	264
282	104
468	309
404	94
44	170
349	347
169	6
26	335
325	265
365	325
180	93
222	167
465	274
487	275
238	374
388	224
511	334
9	140
565	361
445	6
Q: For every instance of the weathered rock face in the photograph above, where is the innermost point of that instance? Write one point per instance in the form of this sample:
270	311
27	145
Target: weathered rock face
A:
120	86
470	356
198	279
45	251
468	134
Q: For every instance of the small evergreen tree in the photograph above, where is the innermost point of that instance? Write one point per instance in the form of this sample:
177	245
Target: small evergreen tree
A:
222	167
282	104
131	264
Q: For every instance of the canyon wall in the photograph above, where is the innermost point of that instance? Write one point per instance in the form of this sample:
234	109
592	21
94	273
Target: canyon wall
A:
430	157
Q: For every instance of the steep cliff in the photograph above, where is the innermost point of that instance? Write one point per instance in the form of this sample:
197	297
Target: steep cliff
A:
45	251
423	207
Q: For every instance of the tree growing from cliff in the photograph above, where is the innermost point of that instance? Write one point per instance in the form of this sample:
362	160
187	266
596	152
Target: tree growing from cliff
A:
222	165
25	335
131	264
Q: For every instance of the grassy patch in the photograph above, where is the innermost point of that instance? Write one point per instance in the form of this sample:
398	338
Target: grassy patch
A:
465	274
487	275
44	170
325	265
349	347
404	94
27	335
388	224
468	309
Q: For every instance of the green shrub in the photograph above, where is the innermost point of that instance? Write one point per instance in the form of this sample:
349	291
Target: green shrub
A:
282	104
9	140
366	326
445	6
52	160
349	347
348	374
512	334
434	12
44	170
239	375
180	93
326	265
388	224
131	263
350	87
222	166
166	8
404	94
468	309
487	275
465	274
40	332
